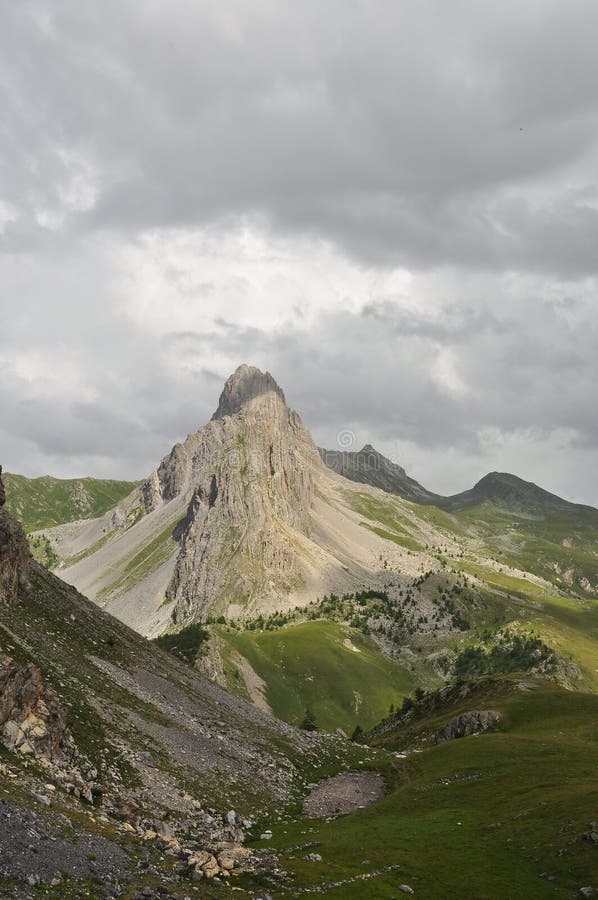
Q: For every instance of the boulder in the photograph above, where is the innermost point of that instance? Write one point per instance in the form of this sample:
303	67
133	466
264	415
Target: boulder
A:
233	856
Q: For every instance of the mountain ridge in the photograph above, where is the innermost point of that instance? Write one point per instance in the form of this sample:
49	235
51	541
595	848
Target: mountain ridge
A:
244	518
369	466
508	488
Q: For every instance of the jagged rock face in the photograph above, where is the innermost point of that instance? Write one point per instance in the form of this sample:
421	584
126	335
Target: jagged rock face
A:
32	719
244	385
475	721
248	477
14	556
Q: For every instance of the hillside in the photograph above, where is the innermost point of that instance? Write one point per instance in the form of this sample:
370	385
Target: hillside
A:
503	517
506	813
511	492
136	770
326	667
368	466
46	501
122	757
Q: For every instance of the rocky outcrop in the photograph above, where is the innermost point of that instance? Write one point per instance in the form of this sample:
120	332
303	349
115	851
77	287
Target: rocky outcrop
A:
476	721
32	718
14	556
245	384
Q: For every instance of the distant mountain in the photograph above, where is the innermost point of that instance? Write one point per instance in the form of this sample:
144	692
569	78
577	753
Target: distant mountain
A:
509	491
367	466
46	501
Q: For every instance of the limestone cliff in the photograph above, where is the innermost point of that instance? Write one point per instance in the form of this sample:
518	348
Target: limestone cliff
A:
14	556
249	475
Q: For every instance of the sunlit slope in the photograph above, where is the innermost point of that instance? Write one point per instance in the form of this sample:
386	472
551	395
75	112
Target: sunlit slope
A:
513	565
46	501
499	815
326	667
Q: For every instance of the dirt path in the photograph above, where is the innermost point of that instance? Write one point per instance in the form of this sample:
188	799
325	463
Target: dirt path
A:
343	794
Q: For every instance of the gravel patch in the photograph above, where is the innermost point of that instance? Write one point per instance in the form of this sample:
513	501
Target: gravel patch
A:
343	794
36	849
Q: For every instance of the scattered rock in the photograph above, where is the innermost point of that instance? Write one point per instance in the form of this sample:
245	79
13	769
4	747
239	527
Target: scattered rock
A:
406	889
147	759
230	817
233	856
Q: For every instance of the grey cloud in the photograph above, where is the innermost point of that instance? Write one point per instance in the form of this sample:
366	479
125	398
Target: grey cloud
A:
521	369
400	132
526	373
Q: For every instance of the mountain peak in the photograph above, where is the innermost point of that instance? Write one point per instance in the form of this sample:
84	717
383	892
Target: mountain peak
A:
369	466
508	490
245	384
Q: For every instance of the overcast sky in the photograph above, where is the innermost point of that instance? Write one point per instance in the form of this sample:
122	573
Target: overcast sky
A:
392	206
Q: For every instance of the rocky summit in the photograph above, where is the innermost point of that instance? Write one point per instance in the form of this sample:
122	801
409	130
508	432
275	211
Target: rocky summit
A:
368	466
249	477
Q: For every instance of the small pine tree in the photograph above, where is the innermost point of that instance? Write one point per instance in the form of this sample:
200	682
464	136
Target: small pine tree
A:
357	734
309	721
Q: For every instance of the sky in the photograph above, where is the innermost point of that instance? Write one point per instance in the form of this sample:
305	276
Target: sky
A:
391	206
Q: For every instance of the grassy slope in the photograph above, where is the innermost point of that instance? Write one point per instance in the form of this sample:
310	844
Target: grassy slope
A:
540	541
309	666
154	554
566	617
494	816
43	502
